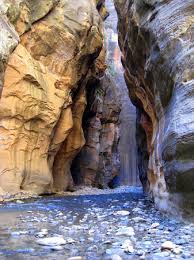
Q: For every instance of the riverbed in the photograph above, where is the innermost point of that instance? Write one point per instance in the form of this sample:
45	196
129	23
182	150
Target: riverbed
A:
94	227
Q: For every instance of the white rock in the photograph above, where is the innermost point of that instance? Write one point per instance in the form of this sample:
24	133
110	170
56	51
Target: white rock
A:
116	257
57	248
43	232
122	213
125	231
70	241
168	245
75	258
51	241
155	225
177	251
138	219
19	201
127	246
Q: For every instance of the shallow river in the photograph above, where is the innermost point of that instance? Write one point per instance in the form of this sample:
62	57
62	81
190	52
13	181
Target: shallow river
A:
94	227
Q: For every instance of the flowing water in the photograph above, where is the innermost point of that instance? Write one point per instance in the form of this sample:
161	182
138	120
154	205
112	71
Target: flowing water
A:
94	227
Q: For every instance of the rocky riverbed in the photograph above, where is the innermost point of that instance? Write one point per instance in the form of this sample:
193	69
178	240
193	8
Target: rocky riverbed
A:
92	227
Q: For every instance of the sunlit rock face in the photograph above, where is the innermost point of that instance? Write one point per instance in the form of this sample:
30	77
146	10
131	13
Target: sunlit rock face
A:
47	54
156	38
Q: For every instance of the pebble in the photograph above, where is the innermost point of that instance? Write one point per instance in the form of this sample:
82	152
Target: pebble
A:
70	241
116	257
42	233
51	241
125	231
155	225
138	219
177	251
133	231
122	213
19	202
167	245
180	241
127	246
75	258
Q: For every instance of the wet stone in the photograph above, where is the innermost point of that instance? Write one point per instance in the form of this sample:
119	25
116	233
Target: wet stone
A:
51	241
59	228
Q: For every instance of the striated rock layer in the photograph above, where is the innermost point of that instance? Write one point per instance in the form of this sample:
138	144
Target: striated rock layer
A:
99	162
127	142
156	38
47	54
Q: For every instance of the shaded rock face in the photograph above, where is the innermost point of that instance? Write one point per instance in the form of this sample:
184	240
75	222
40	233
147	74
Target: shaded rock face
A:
98	163
156	38
47	54
127	143
142	151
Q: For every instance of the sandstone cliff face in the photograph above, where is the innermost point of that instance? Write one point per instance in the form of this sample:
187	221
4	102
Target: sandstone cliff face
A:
99	162
47	54
156	38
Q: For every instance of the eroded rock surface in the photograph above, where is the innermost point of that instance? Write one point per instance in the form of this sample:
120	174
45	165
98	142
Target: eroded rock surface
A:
99	162
47	54
156	38
127	143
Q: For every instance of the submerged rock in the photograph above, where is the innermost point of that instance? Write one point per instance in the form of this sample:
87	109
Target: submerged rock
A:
125	231
122	213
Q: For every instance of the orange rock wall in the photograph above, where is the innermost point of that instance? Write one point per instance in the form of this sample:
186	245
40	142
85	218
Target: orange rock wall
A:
43	89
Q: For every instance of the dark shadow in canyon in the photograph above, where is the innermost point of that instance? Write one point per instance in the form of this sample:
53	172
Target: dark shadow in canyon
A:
131	148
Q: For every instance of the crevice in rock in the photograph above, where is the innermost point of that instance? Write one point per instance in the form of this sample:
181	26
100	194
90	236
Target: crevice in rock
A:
94	165
98	162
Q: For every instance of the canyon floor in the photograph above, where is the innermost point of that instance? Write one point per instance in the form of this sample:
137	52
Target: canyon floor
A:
119	224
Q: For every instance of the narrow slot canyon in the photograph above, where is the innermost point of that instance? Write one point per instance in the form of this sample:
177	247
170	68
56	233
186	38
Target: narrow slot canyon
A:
96	129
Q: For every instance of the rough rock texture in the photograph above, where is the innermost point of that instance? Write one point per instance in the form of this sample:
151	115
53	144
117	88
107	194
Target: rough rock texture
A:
156	38
98	163
43	89
127	143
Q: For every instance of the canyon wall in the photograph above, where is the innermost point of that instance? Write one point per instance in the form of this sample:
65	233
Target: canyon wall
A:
98	163
127	145
48	54
156	39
